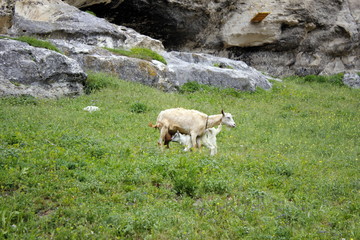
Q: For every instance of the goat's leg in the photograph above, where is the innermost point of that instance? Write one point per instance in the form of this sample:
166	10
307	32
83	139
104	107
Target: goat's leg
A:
212	153
163	132
213	150
198	142
193	140
187	148
167	139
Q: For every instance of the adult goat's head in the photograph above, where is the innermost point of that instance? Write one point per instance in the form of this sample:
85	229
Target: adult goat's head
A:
227	119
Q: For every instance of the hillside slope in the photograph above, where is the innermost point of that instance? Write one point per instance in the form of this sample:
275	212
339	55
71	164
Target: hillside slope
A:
290	170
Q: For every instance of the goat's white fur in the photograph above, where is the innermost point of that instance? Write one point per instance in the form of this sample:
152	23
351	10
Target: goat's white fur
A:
208	139
191	122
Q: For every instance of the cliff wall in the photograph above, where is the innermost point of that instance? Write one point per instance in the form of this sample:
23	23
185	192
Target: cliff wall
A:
298	36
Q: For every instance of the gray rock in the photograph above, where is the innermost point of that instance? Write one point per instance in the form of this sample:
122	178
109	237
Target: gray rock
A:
352	80
38	72
215	71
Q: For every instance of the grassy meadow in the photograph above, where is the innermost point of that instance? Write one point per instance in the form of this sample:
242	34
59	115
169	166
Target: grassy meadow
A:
289	170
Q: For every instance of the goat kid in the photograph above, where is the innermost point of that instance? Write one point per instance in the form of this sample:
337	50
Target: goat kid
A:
208	139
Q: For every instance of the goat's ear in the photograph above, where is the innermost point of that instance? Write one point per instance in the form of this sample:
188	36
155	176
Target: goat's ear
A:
222	111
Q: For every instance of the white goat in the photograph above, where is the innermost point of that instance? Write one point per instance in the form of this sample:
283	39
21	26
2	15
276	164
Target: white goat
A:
189	122
208	139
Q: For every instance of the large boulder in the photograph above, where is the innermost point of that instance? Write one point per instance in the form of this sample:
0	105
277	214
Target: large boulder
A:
37	71
55	19
215	71
352	80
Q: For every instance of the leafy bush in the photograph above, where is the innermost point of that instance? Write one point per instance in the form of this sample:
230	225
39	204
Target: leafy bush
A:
141	53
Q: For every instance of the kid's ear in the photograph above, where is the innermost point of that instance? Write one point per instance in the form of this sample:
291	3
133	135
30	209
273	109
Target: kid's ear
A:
222	111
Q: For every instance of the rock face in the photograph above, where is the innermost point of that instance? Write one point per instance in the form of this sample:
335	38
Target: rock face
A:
82	37
38	72
215	71
298	36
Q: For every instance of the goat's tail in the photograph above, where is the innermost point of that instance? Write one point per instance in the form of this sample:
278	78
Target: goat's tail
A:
152	125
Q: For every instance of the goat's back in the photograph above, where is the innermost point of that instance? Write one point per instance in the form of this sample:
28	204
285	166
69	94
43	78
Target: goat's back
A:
181	119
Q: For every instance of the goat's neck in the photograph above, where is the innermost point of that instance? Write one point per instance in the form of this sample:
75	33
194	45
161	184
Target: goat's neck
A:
214	120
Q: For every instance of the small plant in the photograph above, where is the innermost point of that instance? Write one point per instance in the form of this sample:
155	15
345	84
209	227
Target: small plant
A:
97	81
141	53
12	139
138	107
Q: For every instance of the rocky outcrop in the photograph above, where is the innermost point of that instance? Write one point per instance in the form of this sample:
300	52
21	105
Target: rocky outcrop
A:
38	72
298	36
181	68
215	71
82	37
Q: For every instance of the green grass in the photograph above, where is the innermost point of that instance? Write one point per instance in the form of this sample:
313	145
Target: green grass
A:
97	81
141	53
35	42
289	170
332	79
